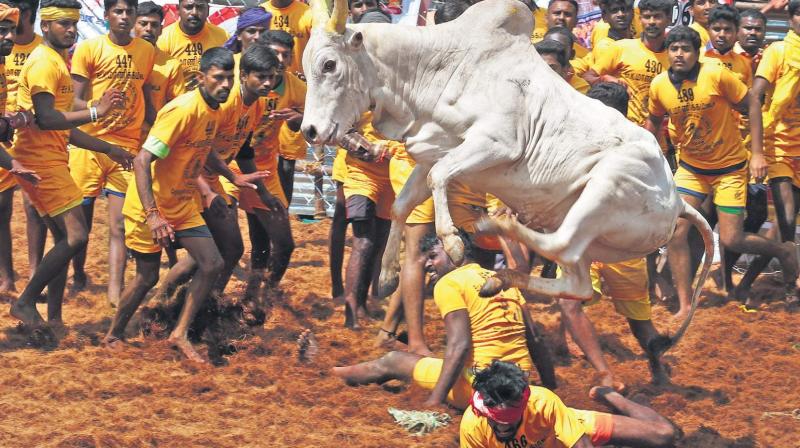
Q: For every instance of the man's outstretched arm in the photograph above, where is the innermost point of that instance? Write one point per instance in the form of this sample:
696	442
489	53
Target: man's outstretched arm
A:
459	343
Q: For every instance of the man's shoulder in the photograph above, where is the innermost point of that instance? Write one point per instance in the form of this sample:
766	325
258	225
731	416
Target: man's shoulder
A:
216	31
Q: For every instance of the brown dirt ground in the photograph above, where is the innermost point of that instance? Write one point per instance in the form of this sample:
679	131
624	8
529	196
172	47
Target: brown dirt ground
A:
730	369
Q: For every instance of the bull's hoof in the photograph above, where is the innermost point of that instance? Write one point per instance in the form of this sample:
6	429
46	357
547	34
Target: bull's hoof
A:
387	283
492	287
487	226
659	345
454	248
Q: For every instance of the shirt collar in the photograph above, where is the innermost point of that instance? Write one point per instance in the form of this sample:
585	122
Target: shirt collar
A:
677	80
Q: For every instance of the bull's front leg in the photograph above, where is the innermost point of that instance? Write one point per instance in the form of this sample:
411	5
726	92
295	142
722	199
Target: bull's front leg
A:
414	192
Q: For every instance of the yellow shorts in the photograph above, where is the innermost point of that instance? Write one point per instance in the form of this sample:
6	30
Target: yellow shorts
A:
7	180
784	166
339	172
292	145
139	238
399	171
626	284
426	374
94	172
730	189
55	193
597	425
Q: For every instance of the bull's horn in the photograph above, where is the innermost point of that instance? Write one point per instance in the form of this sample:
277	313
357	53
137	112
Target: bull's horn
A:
320	15
338	17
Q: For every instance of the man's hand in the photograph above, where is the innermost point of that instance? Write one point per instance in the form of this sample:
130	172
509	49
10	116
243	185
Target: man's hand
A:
162	231
286	114
358	145
21	119
121	156
246	180
758	167
19	170
272	203
433	404
112	98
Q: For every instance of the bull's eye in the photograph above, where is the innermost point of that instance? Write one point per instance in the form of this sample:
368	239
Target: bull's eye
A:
328	66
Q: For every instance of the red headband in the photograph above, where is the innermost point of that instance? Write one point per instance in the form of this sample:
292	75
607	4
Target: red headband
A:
506	415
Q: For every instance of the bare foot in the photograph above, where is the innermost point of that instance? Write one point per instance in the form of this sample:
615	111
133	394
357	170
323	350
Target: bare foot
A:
7	286
678	318
350	317
185	347
598	394
607	380
79	282
385	339
26	313
789	262
112	343
354	375
113	302
307	346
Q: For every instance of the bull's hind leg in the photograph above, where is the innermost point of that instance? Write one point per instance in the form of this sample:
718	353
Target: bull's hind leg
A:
414	192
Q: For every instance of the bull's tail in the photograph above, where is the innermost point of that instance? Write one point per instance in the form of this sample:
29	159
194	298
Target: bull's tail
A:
697	220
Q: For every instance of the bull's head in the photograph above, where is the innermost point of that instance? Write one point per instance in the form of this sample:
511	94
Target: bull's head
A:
337	88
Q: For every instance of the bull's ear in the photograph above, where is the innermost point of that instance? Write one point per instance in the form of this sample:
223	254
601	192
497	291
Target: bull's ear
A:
356	40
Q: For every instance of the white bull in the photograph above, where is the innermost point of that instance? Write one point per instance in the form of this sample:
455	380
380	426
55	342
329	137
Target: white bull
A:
473	101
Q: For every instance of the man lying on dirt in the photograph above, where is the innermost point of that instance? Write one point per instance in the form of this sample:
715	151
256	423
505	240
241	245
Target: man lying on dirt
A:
479	331
506	412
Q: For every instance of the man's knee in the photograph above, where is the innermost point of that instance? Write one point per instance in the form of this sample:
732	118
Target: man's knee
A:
570	307
663	434
78	238
211	266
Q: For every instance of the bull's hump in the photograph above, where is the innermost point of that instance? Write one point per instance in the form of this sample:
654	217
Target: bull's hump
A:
510	15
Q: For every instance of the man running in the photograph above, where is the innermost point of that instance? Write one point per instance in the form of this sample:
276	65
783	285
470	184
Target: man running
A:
700	99
187	39
45	86
113	61
161	206
479	331
506	412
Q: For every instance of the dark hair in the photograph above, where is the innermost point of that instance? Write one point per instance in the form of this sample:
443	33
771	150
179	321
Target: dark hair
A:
108	4
217	57
149	8
612	95
279	37
69	4
27	5
258	58
207	2
555	48
450	10
562	30
684	33
607	4
431	240
753	14
724	12
664	6
501	382
374	15
793	7
572	2
530	4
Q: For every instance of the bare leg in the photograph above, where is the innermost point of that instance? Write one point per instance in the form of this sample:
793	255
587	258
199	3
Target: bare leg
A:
228	238
583	333
178	275
147	266
172	256
259	258
79	278
638	425
72	225
648	338
387	334
382	227
279	232
36	231
117	253
286	176
358	270
391	366
412	283
679	261
337	238
756	216
209	265
6	257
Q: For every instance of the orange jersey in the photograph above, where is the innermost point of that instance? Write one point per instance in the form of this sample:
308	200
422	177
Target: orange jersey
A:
45	71
269	135
733	61
166	80
786	139
296	20
704	37
106	66
14	63
188	49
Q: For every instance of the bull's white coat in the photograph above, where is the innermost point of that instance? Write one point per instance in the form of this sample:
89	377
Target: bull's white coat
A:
473	101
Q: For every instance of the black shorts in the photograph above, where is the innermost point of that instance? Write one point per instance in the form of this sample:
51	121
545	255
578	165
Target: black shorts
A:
360	208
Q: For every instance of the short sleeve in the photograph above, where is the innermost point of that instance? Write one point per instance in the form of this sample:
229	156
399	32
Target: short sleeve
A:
43	77
166	131
654	104
472	432
448	296
770	66
176	84
607	61
150	58
555	414
82	60
731	87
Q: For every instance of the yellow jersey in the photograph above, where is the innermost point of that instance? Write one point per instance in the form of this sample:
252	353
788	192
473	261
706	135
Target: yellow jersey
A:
704	37
496	323
106	66
546	423
703	125
295	19
181	138
188	49
631	61
45	71
539	24
14	63
787	131
740	65
166	80
601	29
269	136
579	84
